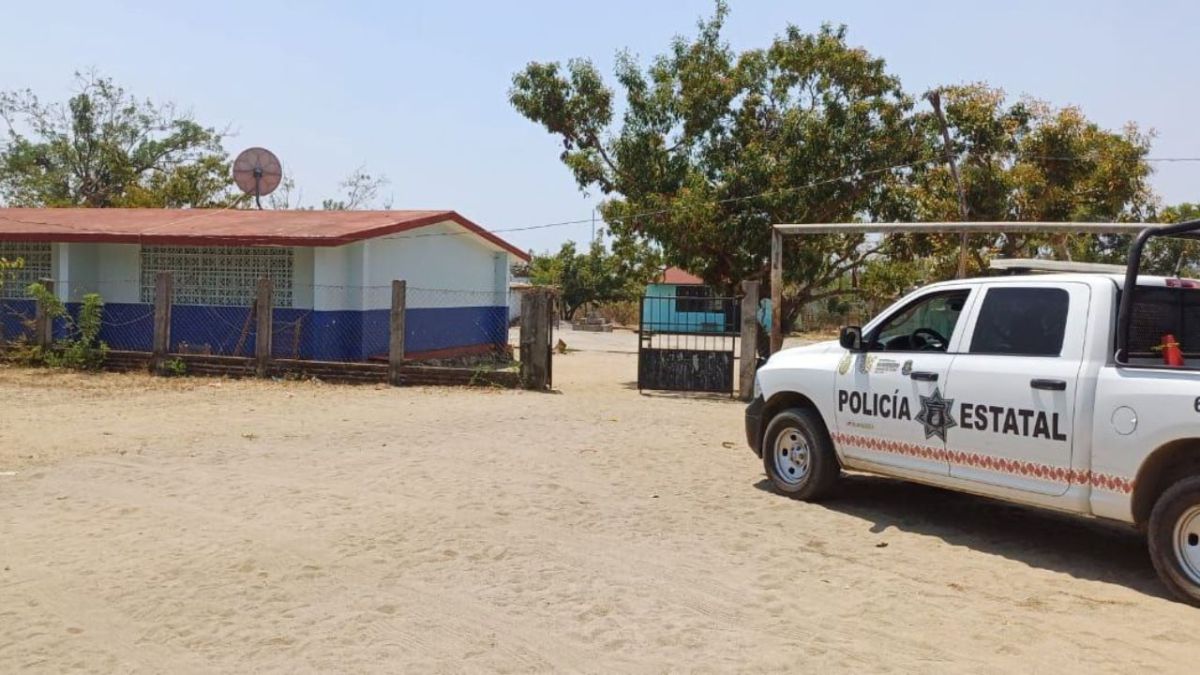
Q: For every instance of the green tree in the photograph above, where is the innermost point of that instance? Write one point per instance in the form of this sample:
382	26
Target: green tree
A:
104	148
715	146
597	276
1174	257
8	268
1024	161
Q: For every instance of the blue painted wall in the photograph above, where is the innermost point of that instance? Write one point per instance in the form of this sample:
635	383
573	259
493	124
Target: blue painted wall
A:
343	335
659	309
660	312
13	315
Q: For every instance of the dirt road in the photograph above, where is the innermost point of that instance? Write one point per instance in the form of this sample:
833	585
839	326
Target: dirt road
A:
197	525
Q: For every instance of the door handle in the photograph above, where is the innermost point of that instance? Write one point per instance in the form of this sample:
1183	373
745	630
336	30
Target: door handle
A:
923	376
1049	385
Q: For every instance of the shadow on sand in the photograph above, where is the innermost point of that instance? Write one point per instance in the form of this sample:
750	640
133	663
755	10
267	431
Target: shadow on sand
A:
1085	549
686	395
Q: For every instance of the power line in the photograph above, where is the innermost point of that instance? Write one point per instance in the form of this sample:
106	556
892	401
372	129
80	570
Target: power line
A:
657	212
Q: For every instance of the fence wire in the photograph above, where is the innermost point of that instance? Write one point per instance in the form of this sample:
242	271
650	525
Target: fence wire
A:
217	330
16	321
128	327
346	323
449	324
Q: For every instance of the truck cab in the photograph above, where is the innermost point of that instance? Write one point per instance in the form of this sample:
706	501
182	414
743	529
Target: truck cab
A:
1046	390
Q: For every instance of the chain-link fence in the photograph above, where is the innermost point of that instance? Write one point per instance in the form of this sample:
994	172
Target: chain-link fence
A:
128	326
16	320
335	332
334	323
446	325
314	322
216	330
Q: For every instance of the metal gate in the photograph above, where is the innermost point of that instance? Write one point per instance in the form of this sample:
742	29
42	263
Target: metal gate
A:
687	343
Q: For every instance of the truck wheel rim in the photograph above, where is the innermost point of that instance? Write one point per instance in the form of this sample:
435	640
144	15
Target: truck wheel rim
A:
1187	543
791	456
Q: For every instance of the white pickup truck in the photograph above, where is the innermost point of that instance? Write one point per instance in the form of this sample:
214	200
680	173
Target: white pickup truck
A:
1048	390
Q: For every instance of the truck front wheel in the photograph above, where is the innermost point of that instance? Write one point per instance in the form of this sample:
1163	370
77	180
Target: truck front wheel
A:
1174	539
798	455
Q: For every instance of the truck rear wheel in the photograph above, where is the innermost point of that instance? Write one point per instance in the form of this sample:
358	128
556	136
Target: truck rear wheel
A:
1174	539
798	455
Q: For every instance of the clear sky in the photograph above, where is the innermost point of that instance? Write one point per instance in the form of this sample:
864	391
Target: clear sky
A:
418	90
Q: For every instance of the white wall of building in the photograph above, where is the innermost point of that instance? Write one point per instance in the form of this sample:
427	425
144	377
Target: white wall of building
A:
443	267
112	270
337	277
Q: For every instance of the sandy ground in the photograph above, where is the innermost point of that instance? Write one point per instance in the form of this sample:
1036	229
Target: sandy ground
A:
199	525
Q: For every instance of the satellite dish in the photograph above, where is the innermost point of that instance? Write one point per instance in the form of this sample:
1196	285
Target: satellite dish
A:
257	172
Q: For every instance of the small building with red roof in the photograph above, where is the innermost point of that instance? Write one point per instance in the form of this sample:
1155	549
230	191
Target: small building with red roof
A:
679	301
331	270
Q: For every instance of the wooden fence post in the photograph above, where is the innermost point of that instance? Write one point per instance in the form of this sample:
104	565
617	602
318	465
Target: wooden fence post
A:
396	332
262	335
776	290
42	323
749	355
535	338
163	287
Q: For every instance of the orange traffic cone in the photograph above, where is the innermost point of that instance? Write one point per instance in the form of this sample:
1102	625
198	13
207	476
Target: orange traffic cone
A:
1172	356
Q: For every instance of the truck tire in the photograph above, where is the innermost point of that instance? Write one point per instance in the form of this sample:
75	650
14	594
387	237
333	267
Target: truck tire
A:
1174	539
798	455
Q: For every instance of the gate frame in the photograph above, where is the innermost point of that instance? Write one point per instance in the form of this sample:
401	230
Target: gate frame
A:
732	310
779	231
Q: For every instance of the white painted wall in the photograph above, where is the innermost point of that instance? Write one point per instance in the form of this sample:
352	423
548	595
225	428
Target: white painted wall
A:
112	270
443	267
302	277
337	277
514	296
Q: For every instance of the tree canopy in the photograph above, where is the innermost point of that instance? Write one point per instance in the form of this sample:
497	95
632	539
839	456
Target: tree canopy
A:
715	146
1023	161
105	148
705	148
596	276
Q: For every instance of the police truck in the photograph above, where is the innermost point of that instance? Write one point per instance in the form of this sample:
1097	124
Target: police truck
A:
1073	391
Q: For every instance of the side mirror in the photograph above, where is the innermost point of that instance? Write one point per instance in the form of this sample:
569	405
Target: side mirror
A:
851	338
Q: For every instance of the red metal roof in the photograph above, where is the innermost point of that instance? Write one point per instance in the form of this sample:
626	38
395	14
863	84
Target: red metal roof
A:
223	227
678	277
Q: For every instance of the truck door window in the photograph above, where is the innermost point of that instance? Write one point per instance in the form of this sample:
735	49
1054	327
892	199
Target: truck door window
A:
926	325
1021	321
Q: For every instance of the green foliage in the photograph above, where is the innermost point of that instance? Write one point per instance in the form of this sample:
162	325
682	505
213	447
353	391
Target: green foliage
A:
174	366
712	146
104	148
597	276
1173	257
82	349
1023	161
705	130
8	269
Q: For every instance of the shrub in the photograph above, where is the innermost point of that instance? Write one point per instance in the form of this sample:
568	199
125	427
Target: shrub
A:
82	348
621	312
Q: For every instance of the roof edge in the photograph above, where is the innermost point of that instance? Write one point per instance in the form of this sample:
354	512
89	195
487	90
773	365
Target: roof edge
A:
444	216
264	240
